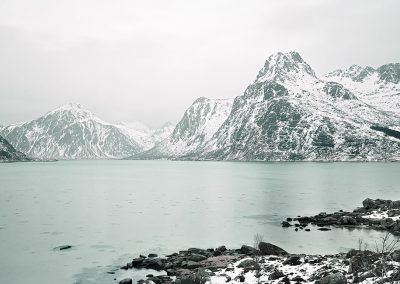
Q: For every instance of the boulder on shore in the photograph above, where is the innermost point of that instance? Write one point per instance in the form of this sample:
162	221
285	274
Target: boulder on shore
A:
270	249
336	278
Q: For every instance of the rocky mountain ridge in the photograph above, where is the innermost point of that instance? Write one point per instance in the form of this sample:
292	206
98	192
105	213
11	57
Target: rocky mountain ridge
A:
288	113
72	132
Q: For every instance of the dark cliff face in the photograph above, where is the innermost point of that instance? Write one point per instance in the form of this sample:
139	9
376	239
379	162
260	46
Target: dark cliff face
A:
390	73
8	152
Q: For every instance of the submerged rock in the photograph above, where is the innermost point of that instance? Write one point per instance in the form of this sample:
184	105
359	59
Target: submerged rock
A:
63	247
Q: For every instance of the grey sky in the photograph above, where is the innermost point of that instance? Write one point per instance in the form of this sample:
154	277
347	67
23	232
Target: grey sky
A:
149	60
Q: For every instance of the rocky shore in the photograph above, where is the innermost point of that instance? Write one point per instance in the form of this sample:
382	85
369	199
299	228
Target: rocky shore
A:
268	264
375	214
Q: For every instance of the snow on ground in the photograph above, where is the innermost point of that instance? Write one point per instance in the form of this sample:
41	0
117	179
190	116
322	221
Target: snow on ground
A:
310	269
381	215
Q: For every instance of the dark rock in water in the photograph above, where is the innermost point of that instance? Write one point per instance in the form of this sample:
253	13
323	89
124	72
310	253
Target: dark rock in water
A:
388	223
292	260
337	278
286	224
307	230
296	229
152	255
270	249
347	220
137	261
149	275
126	281
324	229
289	219
248	250
369	204
64	247
150	263
360	210
240	278
276	274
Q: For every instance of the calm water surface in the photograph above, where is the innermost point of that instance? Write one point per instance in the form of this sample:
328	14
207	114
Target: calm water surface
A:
111	211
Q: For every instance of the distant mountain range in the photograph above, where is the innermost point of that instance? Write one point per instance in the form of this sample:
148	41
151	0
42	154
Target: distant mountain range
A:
287	114
72	132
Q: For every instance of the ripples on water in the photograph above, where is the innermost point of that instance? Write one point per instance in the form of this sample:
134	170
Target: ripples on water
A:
111	211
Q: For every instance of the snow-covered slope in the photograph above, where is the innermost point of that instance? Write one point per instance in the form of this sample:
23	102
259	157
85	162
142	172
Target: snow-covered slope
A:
199	123
287	113
70	132
378	87
9	154
145	136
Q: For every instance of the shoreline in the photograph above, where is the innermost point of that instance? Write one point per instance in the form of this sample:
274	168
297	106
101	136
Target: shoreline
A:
267	263
375	214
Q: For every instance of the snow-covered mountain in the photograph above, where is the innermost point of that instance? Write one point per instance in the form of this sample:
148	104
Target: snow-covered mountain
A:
72	132
288	113
199	123
145	136
378	87
9	154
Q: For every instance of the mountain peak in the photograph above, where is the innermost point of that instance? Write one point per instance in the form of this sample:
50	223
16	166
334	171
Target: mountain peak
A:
355	72
75	111
390	73
70	106
285	66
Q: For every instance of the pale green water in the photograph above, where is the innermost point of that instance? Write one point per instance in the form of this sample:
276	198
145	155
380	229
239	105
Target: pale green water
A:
111	211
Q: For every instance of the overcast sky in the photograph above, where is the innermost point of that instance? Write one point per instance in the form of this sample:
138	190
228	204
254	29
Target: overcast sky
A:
149	60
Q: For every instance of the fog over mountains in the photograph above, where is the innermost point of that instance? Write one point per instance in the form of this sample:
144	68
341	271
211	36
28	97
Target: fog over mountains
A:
287	113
